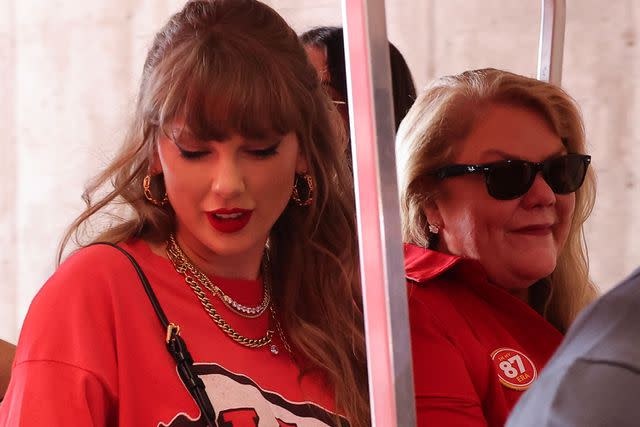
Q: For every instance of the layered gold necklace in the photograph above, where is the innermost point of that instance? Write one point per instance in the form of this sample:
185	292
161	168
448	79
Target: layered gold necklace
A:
180	259
194	277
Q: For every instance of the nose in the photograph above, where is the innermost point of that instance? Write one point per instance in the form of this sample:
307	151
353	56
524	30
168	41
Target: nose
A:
540	194
228	178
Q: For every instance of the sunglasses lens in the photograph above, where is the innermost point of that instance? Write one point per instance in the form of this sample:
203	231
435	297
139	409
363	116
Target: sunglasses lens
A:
565	174
509	180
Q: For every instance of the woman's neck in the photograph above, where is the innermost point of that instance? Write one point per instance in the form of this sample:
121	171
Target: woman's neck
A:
522	294
245	266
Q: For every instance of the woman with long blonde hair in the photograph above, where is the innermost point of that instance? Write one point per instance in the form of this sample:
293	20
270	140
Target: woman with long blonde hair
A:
495	189
231	195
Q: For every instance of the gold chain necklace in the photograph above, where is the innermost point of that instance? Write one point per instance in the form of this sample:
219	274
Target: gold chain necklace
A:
174	251
180	264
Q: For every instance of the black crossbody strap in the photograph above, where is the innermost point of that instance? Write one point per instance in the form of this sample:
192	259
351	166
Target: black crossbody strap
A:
175	345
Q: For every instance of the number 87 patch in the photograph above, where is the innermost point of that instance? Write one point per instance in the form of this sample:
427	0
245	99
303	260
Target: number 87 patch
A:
515	369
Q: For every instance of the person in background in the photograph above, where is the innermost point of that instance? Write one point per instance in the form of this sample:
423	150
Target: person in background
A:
495	187
232	194
594	378
7	352
325	46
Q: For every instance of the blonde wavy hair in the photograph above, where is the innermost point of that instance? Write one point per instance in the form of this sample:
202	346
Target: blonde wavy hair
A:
444	115
236	65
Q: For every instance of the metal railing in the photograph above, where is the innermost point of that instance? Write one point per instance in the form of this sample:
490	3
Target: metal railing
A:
551	44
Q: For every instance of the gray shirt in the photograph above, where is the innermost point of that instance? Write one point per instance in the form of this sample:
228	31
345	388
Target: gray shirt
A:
593	380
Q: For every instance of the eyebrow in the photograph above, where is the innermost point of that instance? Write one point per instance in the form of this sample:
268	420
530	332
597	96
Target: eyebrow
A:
505	155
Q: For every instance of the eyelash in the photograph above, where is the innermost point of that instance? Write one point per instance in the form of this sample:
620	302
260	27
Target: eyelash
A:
265	152
260	154
192	155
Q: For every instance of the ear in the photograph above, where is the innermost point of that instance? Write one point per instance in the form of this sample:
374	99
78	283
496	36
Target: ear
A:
432	212
301	162
155	164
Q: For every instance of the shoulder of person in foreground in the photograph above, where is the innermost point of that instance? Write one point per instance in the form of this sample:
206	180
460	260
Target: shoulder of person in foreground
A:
594	378
64	369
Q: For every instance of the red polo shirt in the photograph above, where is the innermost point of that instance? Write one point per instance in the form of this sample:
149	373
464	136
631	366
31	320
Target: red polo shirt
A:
476	347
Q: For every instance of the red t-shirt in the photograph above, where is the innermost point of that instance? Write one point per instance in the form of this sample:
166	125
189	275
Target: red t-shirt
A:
476	347
92	353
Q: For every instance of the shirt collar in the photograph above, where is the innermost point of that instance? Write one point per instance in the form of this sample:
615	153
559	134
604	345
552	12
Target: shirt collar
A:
422	264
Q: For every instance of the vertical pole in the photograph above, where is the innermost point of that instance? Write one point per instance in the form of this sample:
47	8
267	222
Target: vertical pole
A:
551	45
380	240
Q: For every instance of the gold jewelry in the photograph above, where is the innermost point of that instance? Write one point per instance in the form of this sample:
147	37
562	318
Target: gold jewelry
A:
219	321
303	198
215	316
274	315
283	338
179	258
146	186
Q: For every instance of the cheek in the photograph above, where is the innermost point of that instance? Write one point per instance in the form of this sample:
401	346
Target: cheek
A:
186	185
184	182
565	207
275	183
470	209
487	223
279	182
183	179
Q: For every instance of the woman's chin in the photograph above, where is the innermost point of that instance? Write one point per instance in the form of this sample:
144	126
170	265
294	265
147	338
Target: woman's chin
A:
536	269
523	273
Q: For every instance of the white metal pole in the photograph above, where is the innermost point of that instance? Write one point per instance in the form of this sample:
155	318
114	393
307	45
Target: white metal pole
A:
550	49
380	240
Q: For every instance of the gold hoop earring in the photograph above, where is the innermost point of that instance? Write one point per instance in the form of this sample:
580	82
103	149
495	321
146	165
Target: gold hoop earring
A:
146	186
303	197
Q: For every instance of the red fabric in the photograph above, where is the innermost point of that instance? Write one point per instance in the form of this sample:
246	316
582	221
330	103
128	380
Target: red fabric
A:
92	353
457	320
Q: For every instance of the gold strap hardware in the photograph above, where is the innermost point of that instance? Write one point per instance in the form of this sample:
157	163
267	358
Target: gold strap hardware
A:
172	330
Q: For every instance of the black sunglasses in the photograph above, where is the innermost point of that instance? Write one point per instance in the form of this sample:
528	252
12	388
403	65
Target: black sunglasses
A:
510	179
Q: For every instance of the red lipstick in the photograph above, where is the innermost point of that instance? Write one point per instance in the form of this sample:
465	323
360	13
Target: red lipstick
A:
229	220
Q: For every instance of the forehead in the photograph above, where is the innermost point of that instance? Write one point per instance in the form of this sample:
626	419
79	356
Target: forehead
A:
517	132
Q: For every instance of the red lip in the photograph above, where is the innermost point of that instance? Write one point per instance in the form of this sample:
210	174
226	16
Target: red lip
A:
229	225
535	229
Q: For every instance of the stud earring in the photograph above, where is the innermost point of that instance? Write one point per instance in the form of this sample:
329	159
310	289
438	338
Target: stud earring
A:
146	186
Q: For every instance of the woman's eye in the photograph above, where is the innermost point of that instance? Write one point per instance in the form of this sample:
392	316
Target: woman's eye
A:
192	154
265	152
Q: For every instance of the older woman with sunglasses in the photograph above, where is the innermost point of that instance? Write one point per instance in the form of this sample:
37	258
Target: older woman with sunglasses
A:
495	189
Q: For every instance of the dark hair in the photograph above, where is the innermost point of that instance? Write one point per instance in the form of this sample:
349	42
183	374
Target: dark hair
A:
332	38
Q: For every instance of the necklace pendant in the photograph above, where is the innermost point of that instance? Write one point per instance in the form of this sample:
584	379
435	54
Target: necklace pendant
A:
274	349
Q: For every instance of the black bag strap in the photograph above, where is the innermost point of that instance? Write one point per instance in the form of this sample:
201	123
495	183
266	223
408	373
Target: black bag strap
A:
175	345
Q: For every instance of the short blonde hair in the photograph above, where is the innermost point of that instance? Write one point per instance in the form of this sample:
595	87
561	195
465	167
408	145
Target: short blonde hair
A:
444	115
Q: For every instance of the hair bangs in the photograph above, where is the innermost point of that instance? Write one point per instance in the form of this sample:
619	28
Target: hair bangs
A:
219	90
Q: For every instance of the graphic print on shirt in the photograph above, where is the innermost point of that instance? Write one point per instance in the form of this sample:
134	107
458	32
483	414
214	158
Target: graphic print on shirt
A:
239	402
515	370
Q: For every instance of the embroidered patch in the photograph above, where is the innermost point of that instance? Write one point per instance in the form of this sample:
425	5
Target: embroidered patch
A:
515	370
